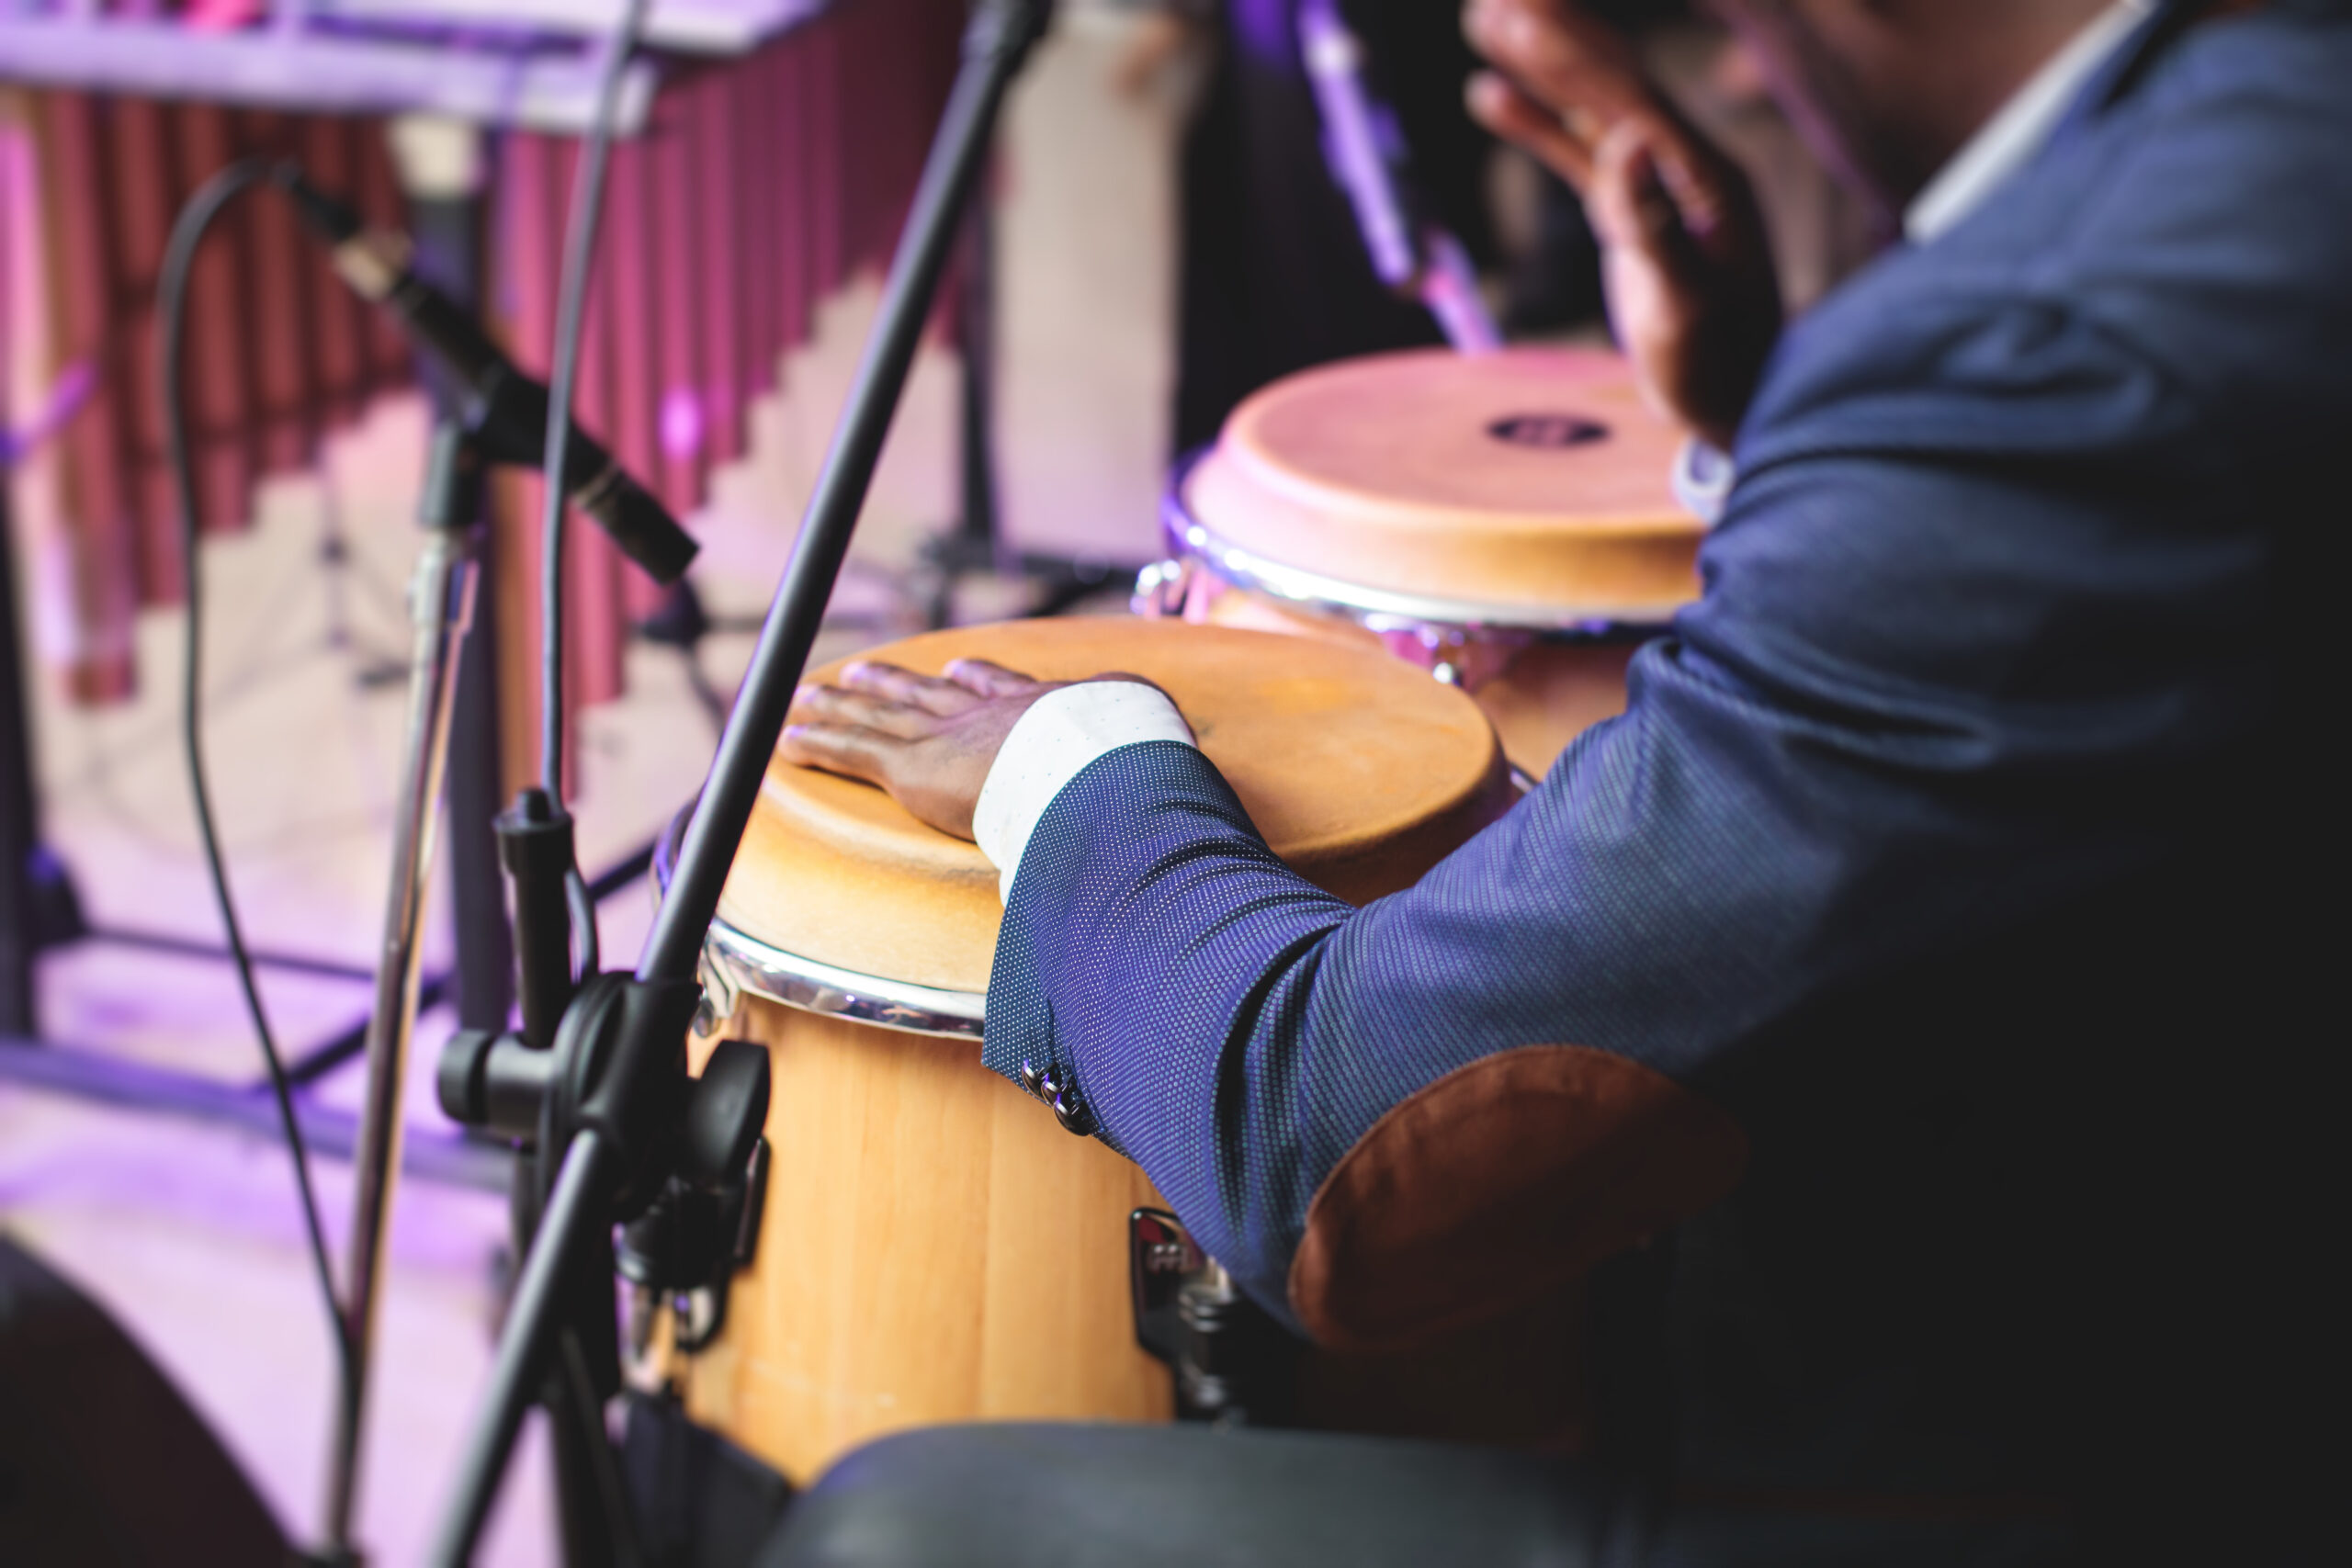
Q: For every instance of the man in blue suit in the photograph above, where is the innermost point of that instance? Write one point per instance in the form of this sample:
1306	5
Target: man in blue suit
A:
1928	962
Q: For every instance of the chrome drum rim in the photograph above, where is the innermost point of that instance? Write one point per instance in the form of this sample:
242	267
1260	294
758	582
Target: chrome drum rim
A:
1437	620
736	964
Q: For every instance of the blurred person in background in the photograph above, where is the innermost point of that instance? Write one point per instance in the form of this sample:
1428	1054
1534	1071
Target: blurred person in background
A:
1914	977
1275	277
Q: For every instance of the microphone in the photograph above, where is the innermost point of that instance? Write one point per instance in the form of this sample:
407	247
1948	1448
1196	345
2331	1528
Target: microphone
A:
508	410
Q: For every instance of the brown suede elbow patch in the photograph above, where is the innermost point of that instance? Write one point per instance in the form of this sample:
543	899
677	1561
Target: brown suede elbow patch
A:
1498	1182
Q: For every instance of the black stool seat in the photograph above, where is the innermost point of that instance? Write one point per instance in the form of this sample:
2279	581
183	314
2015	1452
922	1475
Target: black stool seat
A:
102	1462
1051	1495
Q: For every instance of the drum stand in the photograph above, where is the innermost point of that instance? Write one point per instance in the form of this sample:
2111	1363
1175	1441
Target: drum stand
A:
614	1119
975	545
40	909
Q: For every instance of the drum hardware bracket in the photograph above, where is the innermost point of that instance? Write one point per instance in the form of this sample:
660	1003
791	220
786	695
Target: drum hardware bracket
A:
695	1239
1233	1364
720	994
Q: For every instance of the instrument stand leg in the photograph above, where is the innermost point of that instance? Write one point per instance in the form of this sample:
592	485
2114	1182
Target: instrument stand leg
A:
38	906
975	545
535	842
19	809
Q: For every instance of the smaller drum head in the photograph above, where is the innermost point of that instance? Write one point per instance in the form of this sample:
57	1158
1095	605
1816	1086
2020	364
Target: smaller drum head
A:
1533	478
1360	771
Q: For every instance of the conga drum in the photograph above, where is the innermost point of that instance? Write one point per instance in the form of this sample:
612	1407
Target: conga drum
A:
934	1246
1506	521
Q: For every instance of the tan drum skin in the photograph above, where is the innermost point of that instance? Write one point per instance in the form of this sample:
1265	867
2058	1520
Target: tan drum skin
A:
1387	475
1539	694
934	1246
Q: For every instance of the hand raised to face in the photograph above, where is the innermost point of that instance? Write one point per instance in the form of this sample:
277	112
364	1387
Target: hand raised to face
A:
1691	289
930	740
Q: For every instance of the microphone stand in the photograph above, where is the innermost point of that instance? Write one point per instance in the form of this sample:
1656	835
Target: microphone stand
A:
441	593
614	1112
536	844
492	413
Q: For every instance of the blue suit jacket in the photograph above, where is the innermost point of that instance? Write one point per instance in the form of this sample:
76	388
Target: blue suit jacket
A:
1960	849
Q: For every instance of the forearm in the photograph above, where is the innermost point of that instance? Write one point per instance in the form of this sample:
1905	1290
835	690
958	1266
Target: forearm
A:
1383	1119
1309	1083
1152	945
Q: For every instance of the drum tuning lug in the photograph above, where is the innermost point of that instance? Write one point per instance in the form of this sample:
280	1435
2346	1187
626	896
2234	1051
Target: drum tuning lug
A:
719	992
685	1251
697	1316
1233	1364
645	1366
1161	589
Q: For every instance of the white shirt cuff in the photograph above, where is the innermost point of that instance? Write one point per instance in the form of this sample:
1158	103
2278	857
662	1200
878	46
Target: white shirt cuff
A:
1063	731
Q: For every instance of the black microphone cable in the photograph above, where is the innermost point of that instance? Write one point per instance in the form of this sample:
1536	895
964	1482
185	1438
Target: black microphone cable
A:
195	222
571	305
572	299
179	255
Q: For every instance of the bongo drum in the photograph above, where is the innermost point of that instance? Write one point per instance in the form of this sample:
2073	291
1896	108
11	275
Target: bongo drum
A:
1506	521
934	1246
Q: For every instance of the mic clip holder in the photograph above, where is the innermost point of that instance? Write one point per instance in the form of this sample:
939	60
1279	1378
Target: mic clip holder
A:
504	414
682	1162
618	1067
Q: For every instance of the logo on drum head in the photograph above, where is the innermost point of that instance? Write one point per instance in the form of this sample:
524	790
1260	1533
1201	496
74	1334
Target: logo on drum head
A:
1551	431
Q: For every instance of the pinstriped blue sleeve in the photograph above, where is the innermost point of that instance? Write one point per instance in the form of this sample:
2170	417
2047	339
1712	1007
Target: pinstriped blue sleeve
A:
1773	818
1150	842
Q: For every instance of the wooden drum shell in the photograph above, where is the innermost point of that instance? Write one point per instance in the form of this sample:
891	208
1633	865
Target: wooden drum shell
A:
1378	503
935	1247
897	1283
1538	692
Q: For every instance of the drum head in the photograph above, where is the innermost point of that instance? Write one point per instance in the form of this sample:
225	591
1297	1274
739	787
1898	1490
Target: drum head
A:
1360	771
1533	476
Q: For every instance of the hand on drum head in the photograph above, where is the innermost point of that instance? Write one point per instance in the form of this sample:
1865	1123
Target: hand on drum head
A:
930	740
1692	294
